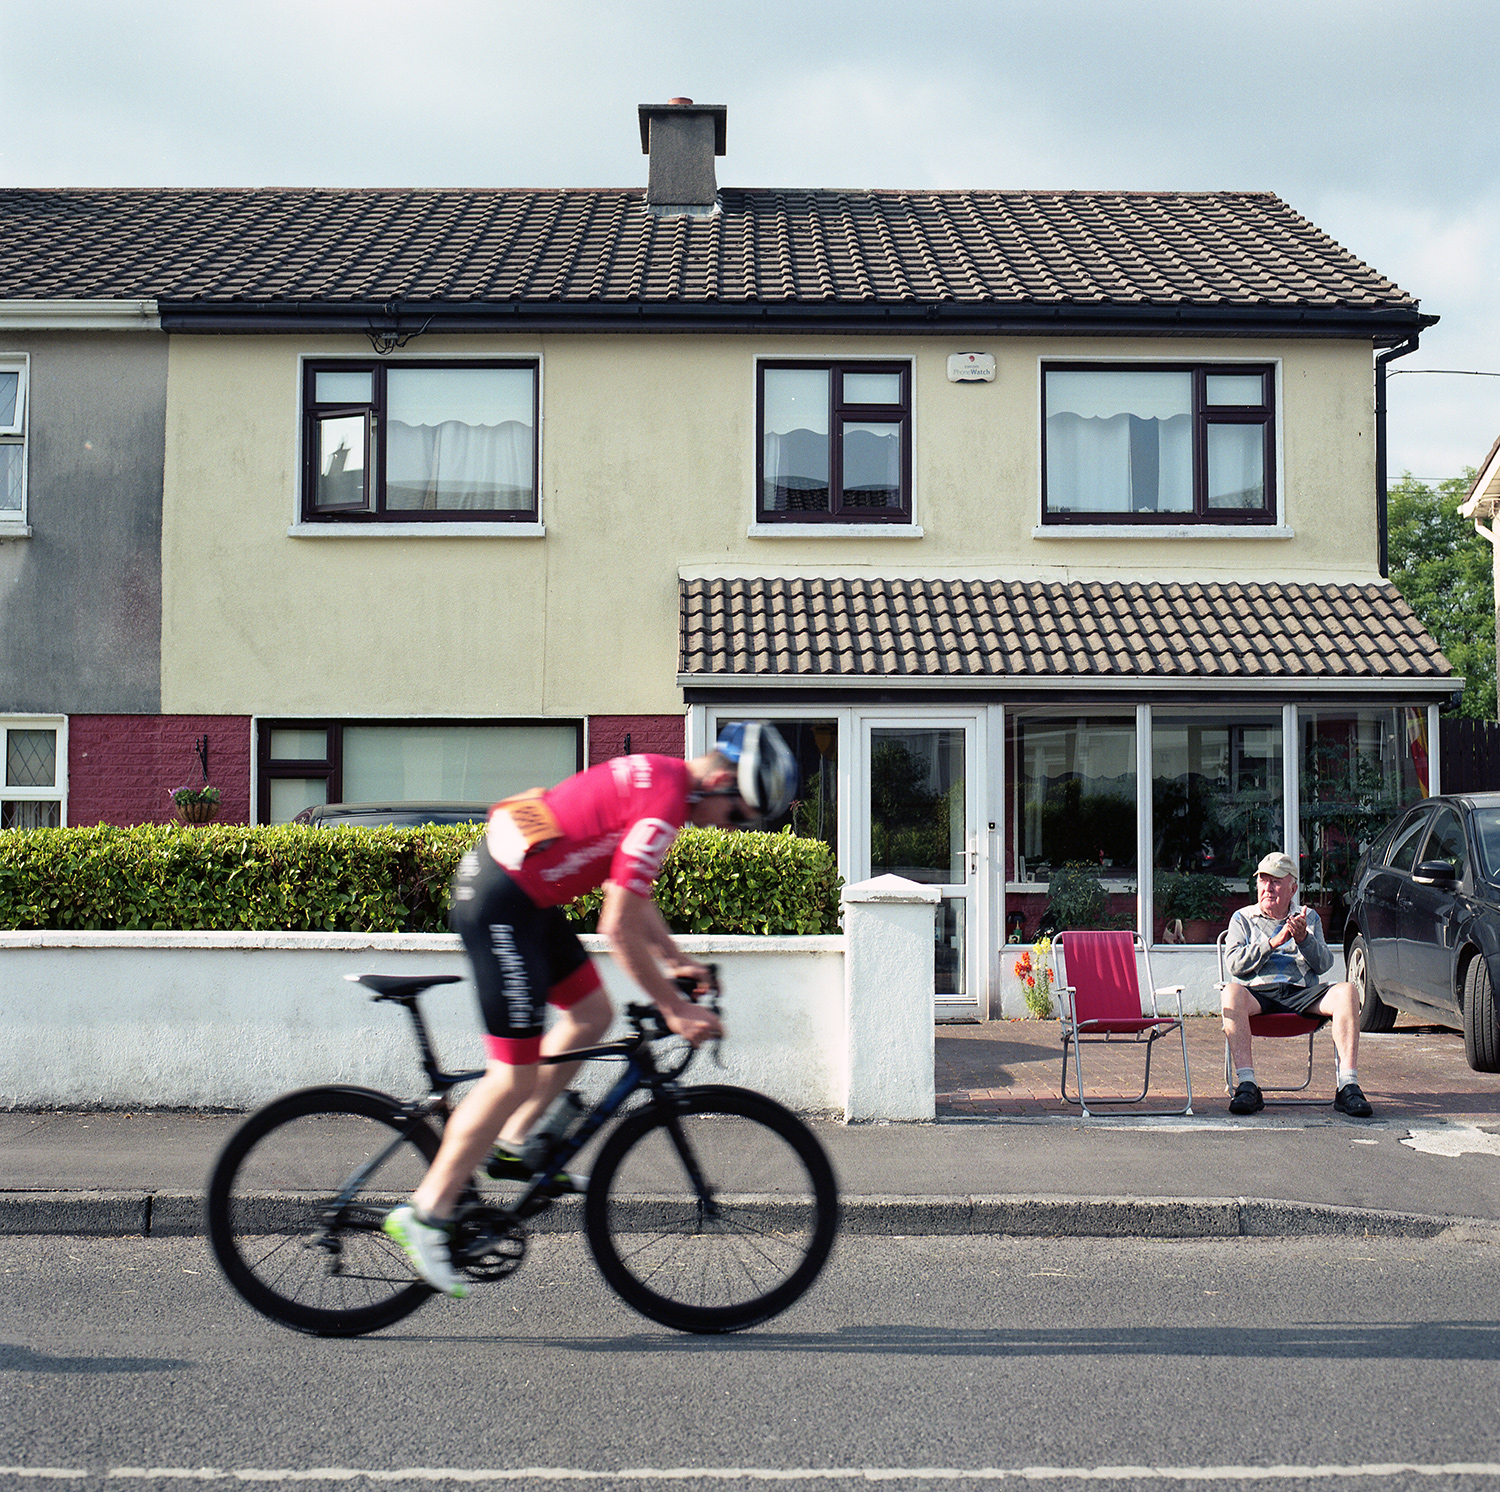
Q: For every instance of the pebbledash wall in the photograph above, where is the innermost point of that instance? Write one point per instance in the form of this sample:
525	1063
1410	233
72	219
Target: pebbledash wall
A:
229	1020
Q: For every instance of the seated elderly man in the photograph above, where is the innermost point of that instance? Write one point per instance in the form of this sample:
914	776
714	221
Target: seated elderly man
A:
1273	956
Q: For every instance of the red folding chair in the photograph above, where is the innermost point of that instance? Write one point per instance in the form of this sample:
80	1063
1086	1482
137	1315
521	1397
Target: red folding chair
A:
1104	984
1276	1026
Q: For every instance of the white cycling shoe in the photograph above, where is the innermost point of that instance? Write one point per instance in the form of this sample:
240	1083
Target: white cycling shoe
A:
427	1248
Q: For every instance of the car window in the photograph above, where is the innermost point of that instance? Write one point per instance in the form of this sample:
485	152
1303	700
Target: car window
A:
1446	841
1403	853
1487	832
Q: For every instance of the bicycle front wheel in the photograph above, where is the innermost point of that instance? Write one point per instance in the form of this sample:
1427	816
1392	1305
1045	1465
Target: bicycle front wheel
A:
288	1240
712	1210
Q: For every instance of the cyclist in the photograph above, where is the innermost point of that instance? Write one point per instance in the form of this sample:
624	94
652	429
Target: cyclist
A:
611	826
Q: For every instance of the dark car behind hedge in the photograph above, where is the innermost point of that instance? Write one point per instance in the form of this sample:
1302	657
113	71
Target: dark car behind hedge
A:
1424	922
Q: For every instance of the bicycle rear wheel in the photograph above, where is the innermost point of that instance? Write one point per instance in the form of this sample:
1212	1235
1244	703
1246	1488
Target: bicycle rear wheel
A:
274	1226
736	1257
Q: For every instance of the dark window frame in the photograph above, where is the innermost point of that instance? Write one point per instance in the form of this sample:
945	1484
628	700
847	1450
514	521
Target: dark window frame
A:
1204	415
839	413
372	508
331	766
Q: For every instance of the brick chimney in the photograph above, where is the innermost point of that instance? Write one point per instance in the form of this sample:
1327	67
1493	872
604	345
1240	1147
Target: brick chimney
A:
682	138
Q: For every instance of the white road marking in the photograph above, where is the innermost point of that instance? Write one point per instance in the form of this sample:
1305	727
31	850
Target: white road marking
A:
1453	1140
949	1474
43	1473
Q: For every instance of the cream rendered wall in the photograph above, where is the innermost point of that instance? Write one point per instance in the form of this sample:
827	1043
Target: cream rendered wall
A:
648	466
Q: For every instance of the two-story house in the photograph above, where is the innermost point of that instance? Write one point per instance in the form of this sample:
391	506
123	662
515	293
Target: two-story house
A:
1047	524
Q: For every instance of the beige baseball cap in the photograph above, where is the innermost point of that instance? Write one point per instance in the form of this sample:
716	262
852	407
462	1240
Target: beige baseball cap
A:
1276	864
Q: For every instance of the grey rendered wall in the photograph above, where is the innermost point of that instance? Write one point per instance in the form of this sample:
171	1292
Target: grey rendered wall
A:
80	600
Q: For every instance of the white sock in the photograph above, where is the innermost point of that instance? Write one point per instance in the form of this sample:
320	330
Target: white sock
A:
1244	1075
1346	1076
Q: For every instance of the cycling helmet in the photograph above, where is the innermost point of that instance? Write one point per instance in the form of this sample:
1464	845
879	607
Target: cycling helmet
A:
767	770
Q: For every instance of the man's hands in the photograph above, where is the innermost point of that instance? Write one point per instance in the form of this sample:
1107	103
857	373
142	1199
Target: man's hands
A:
1295	928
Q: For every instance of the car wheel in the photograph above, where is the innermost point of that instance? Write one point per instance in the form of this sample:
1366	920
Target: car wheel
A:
1481	1019
1374	1013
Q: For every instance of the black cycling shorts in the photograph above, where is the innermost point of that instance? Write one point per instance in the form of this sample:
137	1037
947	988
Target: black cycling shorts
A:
525	957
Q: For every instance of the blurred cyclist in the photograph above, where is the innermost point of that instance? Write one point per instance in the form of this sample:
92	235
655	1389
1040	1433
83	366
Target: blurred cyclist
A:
611	826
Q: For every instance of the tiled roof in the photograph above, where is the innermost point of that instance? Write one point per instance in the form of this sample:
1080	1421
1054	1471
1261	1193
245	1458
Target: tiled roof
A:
1234	251
830	630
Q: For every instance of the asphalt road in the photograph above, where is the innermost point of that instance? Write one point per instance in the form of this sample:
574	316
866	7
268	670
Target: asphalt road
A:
919	1361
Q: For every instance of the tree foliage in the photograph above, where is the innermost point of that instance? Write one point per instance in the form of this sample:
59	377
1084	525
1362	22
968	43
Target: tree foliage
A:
1446	573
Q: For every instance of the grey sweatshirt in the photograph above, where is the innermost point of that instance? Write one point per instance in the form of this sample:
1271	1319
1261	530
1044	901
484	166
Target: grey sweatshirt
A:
1250	960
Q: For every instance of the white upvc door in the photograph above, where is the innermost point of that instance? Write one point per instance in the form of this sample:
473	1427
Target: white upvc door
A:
920	813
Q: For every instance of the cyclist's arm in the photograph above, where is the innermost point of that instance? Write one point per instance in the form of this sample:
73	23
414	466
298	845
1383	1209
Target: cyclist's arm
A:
638	937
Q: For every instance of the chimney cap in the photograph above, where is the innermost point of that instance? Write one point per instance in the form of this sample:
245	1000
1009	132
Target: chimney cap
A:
719	113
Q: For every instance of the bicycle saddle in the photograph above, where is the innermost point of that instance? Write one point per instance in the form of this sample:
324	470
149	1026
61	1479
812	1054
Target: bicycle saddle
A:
401	987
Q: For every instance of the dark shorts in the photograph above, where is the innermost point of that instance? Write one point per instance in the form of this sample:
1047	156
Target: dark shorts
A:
1289	999
525	957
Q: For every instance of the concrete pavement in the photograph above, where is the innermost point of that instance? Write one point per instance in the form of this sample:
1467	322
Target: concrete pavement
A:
1005	1155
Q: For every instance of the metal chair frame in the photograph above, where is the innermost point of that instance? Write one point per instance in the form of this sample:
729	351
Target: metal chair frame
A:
1136	1029
1275	1026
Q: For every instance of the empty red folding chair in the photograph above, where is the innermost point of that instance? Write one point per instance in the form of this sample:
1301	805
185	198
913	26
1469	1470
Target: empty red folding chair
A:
1275	1026
1104	984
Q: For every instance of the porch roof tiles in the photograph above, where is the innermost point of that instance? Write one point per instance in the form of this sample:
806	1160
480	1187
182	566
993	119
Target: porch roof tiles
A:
837	629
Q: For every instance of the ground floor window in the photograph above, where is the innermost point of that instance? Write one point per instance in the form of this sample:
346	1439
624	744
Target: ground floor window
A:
36	763
1071	783
1218	804
1356	768
814	741
303	763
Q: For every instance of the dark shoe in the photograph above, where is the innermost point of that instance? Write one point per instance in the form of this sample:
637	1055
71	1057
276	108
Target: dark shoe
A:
1349	1100
1246	1100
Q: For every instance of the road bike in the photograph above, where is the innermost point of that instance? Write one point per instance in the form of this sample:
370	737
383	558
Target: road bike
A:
707	1208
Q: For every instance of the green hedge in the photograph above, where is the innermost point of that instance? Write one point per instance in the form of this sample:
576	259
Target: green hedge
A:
293	879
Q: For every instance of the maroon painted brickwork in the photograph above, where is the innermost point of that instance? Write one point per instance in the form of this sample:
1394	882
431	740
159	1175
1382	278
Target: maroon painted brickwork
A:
663	735
122	768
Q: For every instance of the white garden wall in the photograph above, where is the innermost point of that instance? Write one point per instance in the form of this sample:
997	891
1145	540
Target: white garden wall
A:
229	1020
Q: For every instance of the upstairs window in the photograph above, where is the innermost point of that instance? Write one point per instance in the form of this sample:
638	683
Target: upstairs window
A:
13	372
1168	444
834	442
420	442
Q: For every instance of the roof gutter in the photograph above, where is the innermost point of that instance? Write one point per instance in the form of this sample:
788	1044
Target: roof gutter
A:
944	318
22	315
1382	499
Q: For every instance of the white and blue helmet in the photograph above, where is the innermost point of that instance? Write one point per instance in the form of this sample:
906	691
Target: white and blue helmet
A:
766	768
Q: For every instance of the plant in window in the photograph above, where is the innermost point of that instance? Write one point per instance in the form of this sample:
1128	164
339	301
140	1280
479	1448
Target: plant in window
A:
1076	898
1198	902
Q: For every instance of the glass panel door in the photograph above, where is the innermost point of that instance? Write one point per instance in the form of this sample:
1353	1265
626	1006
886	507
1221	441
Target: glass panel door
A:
921	822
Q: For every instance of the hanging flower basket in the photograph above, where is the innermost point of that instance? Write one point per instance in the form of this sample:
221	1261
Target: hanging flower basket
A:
196	805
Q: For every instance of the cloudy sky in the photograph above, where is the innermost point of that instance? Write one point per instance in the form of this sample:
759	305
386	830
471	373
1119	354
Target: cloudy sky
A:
1377	119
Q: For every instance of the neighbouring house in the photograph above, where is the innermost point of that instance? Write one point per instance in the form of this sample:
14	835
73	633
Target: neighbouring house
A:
1049	525
1481	505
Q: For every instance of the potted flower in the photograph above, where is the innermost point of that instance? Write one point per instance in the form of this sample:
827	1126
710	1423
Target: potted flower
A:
1034	970
196	805
1198	900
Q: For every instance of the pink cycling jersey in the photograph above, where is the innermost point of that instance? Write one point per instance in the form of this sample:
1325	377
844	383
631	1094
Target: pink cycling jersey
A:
617	822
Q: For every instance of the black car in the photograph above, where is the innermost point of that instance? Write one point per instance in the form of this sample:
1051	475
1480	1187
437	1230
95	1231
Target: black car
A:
1424	922
398	815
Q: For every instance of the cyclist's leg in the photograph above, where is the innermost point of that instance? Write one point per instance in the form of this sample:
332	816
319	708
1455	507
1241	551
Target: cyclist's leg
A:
584	1015
504	932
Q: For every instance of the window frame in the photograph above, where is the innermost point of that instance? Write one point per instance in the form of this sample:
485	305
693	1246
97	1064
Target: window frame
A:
15	434
839	414
372	509
330	767
1204	416
58	791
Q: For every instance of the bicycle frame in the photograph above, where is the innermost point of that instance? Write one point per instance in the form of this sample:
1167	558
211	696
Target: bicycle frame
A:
641	1071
